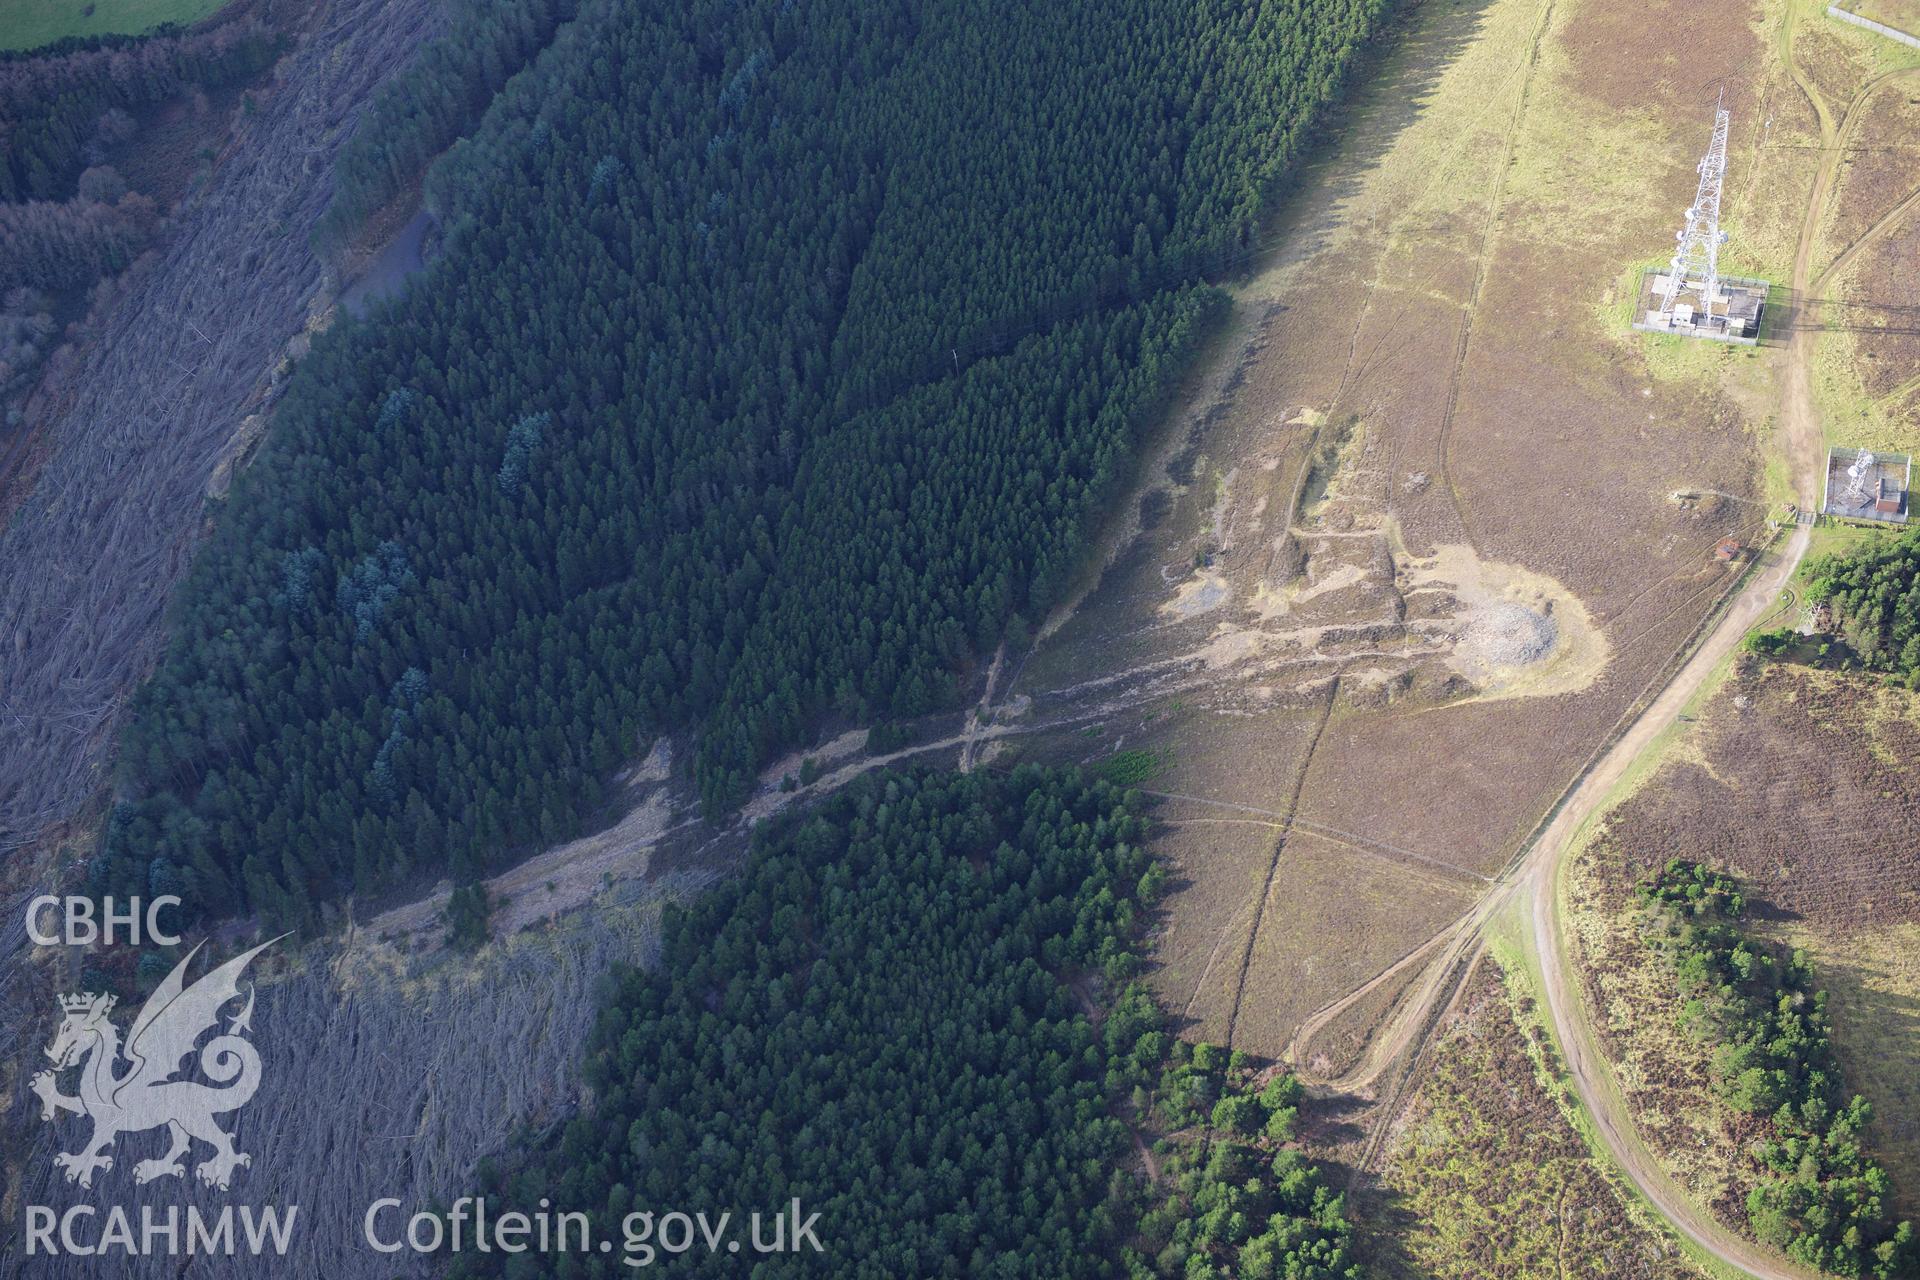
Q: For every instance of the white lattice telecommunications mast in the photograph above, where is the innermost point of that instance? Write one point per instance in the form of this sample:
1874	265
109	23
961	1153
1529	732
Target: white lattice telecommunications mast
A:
1697	259
1861	489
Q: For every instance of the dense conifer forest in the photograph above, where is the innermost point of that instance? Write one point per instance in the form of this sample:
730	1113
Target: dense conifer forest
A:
420	112
1875	589
782	354
877	1018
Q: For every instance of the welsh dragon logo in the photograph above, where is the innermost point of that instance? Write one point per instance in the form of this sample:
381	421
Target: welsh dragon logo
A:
145	1095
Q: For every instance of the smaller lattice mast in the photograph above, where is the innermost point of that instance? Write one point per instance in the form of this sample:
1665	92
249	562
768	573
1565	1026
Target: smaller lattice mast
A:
1861	489
1696	260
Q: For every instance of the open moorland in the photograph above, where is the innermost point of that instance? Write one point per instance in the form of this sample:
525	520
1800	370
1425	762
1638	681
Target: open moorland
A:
1379	603
1797	782
1901	15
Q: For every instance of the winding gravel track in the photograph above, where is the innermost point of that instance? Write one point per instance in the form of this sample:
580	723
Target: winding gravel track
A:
1592	1075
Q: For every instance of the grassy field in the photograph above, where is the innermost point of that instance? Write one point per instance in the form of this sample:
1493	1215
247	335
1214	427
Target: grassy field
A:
1834	538
1863	265
28	24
